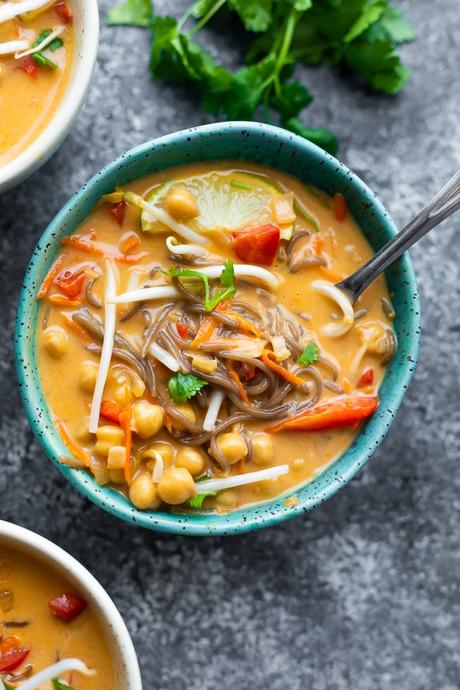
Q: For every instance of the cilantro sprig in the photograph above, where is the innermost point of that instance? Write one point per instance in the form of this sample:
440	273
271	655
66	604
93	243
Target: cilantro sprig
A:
40	58
211	300
309	355
360	34
182	387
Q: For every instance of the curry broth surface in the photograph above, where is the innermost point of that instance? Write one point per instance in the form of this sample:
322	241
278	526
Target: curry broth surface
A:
307	453
49	638
28	104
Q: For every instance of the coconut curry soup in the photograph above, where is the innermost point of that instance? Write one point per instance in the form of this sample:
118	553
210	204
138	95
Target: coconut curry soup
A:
192	347
50	639
36	49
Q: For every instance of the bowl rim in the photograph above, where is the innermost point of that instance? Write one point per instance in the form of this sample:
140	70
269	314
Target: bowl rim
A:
50	138
234	522
26	541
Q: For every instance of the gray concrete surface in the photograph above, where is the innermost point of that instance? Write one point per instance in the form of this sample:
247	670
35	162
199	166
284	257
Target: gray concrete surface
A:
364	592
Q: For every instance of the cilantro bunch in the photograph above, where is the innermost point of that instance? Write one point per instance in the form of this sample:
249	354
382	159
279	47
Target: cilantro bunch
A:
361	34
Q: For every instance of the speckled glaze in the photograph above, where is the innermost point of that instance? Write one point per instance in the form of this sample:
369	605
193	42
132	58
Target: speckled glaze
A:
126	667
259	143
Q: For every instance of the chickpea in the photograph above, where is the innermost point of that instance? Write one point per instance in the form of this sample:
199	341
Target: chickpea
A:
116	458
116	476
55	341
143	493
123	394
164	449
233	446
108	436
148	418
176	486
263	451
227	498
187	411
181	204
88	375
191	460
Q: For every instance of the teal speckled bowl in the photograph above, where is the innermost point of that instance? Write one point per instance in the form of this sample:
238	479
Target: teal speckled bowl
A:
259	143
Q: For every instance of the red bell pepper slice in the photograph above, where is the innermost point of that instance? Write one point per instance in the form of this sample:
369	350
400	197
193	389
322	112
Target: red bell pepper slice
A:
66	606
13	658
366	378
344	410
71	282
118	211
28	65
258	245
182	329
340	207
111	411
64	11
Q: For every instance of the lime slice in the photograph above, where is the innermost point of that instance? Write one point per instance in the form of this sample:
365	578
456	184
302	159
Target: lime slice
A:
227	201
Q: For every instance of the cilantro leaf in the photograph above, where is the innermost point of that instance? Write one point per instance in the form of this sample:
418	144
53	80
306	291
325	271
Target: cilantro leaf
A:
395	25
256	15
43	61
309	355
41	37
197	501
378	63
131	13
318	135
291	99
182	387
227	280
60	684
371	11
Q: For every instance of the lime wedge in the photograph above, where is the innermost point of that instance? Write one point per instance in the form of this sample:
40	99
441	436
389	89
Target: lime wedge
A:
227	201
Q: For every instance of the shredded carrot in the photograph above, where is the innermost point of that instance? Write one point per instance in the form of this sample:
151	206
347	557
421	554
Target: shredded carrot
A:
78	330
85	244
331	275
125	423
317	244
236	378
112	411
72	447
62	301
246	324
288	375
51	275
129	241
205	331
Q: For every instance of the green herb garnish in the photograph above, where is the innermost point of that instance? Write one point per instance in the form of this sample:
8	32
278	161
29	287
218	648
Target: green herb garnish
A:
131	12
360	34
227	280
197	501
309	355
182	387
60	684
55	44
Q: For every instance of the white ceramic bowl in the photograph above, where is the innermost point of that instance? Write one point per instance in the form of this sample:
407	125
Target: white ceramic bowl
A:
121	648
86	26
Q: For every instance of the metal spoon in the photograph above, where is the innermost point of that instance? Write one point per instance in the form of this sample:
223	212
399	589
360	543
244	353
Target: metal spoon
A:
444	204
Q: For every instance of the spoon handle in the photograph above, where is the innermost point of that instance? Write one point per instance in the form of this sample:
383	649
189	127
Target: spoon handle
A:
444	204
